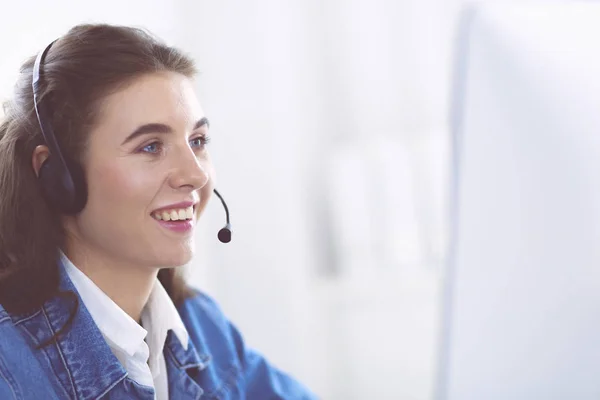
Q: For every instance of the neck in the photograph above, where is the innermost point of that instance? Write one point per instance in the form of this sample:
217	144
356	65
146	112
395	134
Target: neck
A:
127	285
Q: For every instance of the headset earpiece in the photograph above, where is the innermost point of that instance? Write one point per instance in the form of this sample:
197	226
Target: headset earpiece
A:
62	182
64	191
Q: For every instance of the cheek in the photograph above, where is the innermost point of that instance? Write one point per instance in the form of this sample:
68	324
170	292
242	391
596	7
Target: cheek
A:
205	194
121	187
116	217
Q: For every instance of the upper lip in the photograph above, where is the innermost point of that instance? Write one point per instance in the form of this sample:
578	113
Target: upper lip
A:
175	206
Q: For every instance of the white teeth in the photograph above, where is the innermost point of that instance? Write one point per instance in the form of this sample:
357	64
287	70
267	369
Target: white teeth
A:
175	215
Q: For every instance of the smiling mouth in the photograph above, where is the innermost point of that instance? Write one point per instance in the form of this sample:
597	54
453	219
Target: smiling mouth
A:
176	214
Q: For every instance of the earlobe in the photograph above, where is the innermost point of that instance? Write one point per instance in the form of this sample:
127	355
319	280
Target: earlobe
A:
40	154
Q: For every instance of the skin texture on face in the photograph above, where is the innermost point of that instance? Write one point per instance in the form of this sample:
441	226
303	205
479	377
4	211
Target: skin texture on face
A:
130	178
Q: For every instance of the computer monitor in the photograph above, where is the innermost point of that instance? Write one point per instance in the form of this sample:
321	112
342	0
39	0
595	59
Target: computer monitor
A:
521	315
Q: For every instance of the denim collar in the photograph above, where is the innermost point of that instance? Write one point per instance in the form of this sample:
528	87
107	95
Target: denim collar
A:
183	368
82	360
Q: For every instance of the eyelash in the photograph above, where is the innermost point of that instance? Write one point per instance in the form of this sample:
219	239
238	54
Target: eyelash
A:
204	140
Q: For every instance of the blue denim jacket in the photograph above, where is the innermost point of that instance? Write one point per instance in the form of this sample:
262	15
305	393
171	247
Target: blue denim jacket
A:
80	364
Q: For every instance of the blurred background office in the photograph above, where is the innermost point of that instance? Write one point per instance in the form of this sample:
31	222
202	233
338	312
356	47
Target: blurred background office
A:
331	142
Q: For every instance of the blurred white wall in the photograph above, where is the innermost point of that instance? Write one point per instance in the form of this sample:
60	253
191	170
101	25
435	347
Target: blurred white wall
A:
329	128
523	304
28	27
330	144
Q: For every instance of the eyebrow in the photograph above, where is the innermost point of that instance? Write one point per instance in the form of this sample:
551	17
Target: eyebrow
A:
156	127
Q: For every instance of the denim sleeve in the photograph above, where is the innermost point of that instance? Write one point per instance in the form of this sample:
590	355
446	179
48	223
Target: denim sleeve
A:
21	375
263	380
8	389
260	379
6	392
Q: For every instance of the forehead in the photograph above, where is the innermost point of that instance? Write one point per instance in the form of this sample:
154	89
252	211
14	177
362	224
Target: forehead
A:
164	97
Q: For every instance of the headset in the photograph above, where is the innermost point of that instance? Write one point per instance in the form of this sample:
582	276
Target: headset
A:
62	180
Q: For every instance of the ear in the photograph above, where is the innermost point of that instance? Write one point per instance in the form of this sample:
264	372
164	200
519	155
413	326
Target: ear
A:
40	154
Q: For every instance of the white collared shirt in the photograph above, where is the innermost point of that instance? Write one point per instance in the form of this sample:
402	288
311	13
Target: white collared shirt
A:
140	351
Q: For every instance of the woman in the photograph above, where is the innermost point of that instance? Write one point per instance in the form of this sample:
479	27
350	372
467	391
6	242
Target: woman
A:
94	226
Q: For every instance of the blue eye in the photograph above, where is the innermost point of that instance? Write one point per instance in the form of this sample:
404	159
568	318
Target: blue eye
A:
199	141
152	148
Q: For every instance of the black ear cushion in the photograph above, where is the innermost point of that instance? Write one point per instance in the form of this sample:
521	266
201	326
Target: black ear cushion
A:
57	189
81	190
50	185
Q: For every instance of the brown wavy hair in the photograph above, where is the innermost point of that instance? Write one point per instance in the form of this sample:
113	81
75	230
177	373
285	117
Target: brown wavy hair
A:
84	66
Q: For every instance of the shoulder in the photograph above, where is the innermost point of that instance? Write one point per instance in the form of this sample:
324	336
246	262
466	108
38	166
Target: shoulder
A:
201	309
206	323
21	375
200	301
8	387
11	340
3	314
211	330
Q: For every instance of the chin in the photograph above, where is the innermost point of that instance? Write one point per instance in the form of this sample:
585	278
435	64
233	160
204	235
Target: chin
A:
174	260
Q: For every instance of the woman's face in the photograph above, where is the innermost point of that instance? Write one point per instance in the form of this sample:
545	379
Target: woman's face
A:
148	174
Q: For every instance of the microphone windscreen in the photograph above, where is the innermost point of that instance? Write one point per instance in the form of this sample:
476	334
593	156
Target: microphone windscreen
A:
224	235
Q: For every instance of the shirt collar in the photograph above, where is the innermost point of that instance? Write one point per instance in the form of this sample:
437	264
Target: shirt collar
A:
159	316
110	318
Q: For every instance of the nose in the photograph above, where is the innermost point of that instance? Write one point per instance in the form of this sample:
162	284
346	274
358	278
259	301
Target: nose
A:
189	172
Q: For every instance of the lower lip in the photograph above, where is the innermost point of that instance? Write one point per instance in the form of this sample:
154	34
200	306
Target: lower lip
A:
177	226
